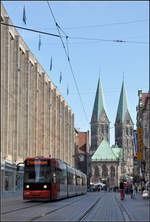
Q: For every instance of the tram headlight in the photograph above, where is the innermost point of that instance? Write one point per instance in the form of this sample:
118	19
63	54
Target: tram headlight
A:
45	186
27	186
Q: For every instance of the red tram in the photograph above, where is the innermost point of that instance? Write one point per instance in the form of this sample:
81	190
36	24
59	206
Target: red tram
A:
50	179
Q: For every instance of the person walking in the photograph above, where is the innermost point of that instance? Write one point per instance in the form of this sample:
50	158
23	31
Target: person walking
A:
131	190
134	190
121	190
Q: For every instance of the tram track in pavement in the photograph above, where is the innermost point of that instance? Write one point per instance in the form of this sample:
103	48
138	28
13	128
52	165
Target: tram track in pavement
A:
83	217
40	204
21	208
125	214
54	210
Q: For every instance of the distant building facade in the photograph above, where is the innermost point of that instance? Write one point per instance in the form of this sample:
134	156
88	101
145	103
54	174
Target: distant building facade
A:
109	164
142	167
35	118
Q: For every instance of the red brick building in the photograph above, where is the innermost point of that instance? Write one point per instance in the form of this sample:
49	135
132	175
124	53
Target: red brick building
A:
82	152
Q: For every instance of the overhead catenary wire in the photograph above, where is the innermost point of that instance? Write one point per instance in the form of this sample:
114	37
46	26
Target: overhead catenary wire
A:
71	37
104	25
107	40
32	30
107	24
68	62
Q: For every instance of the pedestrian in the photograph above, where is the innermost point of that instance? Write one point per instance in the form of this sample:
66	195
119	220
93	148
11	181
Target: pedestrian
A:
139	187
127	188
131	190
134	190
136	187
121	190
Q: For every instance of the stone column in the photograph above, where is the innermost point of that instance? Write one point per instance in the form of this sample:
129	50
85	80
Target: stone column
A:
43	115
50	118
60	132
73	141
66	134
6	67
30	110
52	122
27	102
12	148
63	131
3	102
55	123
17	75
36	109
58	126
33	112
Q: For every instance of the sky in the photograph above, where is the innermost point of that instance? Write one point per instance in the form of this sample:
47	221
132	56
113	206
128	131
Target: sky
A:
91	27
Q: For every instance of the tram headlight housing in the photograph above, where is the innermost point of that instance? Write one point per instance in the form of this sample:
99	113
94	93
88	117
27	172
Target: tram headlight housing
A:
27	186
45	186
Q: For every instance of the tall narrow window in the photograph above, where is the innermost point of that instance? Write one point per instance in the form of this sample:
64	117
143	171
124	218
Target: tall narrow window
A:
96	171
104	171
127	131
112	172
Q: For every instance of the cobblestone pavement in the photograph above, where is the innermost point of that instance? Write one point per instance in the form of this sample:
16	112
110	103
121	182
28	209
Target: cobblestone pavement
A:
108	208
138	209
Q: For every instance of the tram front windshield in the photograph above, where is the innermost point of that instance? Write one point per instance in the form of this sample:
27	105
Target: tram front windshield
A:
37	171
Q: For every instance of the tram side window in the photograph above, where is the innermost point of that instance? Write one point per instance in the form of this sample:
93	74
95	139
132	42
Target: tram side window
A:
61	176
70	178
64	175
78	180
53	174
82	181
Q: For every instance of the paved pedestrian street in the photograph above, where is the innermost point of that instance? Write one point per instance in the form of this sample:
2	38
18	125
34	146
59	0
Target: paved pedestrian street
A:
94	206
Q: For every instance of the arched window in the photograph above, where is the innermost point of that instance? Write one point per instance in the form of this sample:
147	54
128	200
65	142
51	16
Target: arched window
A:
131	131
127	131
102	127
96	171
106	129
112	172
104	171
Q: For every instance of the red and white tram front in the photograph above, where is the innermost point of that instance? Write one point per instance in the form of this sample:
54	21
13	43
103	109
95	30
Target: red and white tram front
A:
37	179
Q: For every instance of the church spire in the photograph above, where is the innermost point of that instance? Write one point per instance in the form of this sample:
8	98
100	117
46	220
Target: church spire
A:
99	103
123	105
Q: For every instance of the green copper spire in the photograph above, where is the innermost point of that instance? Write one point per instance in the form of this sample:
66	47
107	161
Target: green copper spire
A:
123	105
99	103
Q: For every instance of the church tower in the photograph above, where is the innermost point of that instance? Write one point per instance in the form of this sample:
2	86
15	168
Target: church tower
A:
99	121
124	130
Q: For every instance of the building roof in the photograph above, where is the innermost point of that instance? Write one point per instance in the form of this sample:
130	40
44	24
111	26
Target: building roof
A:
123	105
104	152
99	103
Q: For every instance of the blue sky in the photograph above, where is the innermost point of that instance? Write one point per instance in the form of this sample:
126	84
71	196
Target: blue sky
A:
106	20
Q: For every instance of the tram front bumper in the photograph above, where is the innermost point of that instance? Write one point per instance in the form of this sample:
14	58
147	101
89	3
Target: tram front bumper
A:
30	194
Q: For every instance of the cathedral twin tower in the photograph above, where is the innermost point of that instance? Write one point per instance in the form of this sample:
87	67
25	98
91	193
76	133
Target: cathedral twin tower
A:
100	124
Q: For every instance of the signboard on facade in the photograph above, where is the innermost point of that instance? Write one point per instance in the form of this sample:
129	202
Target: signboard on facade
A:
140	144
135	141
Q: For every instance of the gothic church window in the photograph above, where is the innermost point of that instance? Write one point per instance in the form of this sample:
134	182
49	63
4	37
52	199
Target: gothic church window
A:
102	129
127	131
96	171
104	171
106	129
112	172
